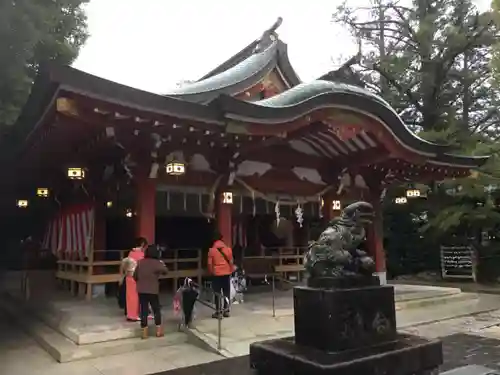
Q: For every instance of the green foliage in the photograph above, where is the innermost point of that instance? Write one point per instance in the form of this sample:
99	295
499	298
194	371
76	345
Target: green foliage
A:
33	32
433	61
430	60
495	6
408	250
465	203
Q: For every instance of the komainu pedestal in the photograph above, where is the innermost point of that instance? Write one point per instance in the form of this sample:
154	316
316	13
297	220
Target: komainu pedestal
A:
335	320
346	331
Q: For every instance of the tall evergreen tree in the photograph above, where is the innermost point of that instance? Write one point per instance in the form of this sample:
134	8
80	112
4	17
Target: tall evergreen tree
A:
432	60
33	32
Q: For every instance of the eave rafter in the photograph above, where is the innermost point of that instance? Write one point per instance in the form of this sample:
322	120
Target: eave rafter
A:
336	119
170	129
402	169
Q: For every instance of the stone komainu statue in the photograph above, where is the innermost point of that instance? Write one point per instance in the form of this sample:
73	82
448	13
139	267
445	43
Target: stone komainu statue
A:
336	253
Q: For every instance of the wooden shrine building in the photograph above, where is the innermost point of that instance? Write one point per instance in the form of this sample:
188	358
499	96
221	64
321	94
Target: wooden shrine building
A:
248	139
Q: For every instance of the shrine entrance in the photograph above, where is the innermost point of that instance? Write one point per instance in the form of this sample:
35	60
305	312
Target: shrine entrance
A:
268	159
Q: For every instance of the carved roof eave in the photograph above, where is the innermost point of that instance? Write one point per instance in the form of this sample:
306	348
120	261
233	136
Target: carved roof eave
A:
306	98
276	112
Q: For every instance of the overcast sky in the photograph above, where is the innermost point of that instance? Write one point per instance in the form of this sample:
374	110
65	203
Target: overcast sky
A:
153	44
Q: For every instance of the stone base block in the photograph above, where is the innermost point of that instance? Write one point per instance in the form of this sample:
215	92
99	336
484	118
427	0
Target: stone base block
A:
342	319
346	282
407	355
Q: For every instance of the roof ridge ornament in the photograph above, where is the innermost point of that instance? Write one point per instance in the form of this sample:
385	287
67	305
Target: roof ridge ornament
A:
268	37
345	74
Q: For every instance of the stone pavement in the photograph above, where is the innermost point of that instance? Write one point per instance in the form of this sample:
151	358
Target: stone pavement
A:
257	324
252	321
20	354
458	349
464	285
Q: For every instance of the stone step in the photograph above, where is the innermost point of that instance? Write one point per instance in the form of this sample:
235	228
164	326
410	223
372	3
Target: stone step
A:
434	299
432	314
60	321
235	342
472	370
412	292
63	349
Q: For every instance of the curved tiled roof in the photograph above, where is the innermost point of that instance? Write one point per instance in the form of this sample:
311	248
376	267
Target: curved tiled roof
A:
242	71
308	97
233	81
211	99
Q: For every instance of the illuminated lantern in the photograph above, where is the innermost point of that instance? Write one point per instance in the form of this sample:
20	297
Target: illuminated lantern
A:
42	192
129	213
76	173
413	193
175	168
109	204
336	205
401	200
227	197
22	203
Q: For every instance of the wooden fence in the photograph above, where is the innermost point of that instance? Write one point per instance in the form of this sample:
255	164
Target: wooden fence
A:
103	267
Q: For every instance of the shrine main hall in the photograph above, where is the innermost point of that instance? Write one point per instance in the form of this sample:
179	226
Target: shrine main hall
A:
249	150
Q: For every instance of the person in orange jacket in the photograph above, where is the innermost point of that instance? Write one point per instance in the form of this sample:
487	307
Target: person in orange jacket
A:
220	266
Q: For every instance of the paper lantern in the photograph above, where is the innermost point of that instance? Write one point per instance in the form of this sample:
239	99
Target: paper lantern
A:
227	197
336	205
413	193
42	192
175	168
22	203
401	200
76	173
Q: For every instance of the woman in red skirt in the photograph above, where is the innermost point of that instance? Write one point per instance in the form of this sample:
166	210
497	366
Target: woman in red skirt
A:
129	265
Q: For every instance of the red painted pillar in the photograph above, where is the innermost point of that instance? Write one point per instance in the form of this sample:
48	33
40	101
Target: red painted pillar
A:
224	222
145	209
375	242
326	208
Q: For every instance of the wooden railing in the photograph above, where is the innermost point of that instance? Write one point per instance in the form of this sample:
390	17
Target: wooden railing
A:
287	262
79	276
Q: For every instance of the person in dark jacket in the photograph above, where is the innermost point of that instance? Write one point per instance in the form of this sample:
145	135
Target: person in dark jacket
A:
147	273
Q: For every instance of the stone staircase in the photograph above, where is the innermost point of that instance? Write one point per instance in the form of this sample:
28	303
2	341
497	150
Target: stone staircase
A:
54	325
51	329
416	296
